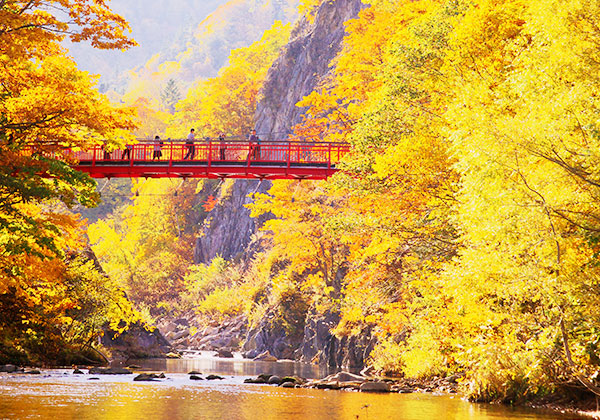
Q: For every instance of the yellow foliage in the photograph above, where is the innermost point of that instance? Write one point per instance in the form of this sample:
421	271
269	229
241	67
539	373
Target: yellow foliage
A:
226	103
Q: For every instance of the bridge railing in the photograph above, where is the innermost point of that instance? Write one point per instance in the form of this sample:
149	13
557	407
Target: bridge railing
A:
209	152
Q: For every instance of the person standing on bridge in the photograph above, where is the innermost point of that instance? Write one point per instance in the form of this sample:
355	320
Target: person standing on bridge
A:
157	148
105	152
127	152
191	149
254	145
222	146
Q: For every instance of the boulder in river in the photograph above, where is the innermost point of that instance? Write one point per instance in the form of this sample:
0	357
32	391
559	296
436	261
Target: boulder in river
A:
148	377
194	372
196	378
328	385
8	368
375	387
213	377
265	356
348	377
293	379
274	380
225	354
77	372
109	371
263	378
32	372
288	385
173	355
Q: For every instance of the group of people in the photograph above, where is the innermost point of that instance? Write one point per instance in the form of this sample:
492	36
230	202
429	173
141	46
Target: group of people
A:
156	153
191	148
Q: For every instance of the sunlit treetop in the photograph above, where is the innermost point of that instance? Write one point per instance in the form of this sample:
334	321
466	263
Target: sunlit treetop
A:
34	28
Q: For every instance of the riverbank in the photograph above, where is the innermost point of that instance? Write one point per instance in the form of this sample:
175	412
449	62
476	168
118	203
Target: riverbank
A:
588	407
239	375
63	393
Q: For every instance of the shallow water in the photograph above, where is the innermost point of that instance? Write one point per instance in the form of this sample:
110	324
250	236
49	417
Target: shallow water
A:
57	394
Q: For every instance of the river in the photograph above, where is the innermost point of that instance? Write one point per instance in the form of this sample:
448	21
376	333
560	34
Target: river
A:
58	394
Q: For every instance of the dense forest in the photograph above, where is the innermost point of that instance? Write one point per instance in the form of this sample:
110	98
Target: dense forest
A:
461	234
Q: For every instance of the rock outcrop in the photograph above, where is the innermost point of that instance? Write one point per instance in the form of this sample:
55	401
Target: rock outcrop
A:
302	65
316	344
190	333
138	342
270	336
321	346
229	229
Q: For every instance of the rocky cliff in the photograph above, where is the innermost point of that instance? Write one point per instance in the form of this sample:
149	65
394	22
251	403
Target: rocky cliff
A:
229	229
303	64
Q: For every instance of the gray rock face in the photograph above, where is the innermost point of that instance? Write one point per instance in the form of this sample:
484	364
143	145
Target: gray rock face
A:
223	337
271	336
302	65
229	229
316	345
137	342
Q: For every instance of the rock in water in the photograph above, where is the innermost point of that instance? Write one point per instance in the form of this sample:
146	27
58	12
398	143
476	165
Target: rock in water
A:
145	377
375	387
225	354
265	356
212	377
196	378
274	380
109	371
8	368
173	355
346	377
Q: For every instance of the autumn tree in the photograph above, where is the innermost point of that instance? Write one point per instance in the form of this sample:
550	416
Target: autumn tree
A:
226	103
170	95
47	106
147	246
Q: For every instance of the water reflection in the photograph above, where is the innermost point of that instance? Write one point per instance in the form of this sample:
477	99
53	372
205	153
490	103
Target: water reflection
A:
204	362
61	395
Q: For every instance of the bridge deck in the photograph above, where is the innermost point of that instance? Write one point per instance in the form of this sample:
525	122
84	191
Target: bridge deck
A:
214	159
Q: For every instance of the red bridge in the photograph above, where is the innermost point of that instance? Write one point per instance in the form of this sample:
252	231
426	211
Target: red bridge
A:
214	159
